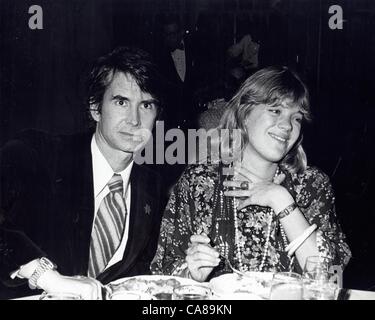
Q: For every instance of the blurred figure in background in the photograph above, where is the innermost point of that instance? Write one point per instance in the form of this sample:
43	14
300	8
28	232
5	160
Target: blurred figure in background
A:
176	58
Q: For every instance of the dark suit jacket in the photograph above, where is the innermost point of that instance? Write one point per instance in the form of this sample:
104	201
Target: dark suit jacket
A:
47	207
180	94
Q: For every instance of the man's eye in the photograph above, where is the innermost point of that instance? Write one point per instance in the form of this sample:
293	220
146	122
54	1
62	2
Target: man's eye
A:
120	102
149	106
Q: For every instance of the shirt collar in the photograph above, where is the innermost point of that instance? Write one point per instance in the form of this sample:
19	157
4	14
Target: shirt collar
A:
181	47
102	171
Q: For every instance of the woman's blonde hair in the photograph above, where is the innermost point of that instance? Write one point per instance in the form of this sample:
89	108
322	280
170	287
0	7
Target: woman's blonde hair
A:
270	86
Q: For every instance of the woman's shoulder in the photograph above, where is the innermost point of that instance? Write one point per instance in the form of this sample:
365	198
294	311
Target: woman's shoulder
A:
312	172
310	185
313	177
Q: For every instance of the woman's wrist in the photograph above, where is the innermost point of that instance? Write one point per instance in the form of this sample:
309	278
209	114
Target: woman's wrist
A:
286	211
281	201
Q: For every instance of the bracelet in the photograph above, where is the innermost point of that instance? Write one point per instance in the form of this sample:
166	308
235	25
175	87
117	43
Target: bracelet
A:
287	211
296	243
44	265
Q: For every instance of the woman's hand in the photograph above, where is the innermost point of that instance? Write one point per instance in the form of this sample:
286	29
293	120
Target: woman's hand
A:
257	191
201	258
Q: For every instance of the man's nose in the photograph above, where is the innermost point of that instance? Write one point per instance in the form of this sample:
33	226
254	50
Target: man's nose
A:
133	116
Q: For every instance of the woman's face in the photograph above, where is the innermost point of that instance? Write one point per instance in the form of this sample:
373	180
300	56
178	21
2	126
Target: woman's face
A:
273	130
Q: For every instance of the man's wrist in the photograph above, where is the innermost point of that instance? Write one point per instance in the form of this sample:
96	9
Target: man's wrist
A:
44	265
49	280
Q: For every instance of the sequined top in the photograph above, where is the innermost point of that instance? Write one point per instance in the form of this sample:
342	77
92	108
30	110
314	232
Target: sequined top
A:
195	208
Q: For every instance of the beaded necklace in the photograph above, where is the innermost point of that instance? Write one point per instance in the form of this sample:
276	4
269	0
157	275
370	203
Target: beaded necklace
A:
239	244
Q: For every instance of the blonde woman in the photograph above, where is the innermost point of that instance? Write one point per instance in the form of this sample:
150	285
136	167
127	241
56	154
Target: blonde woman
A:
275	210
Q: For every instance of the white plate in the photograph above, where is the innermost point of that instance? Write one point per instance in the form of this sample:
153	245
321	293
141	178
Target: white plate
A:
148	287
183	281
255	286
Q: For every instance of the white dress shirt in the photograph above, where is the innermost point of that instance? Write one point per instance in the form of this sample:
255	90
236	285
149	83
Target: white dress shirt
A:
102	173
179	60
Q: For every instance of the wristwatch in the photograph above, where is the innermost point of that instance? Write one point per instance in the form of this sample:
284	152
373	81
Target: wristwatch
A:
44	265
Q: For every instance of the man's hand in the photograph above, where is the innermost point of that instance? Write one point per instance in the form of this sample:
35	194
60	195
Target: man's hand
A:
52	281
85	287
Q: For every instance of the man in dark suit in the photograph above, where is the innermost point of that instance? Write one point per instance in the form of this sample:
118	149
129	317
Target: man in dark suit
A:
176	58
80	202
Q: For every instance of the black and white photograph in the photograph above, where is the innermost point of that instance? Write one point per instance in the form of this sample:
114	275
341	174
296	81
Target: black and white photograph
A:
187	150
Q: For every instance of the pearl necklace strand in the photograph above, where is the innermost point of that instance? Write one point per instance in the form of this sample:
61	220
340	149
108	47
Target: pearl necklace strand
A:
239	245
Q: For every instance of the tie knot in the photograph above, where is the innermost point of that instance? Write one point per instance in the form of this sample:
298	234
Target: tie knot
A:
115	184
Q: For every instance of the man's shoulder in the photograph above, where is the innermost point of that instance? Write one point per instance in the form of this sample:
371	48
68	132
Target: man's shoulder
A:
36	137
37	145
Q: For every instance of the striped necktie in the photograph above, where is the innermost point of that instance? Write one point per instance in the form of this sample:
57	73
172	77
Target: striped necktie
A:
108	227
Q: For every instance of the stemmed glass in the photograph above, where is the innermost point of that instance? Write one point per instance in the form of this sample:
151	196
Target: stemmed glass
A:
318	278
286	286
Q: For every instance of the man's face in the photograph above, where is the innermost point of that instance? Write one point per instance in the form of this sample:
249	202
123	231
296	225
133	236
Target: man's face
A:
172	36
126	119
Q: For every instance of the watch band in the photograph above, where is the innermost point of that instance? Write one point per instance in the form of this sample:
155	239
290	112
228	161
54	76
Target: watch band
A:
287	211
44	265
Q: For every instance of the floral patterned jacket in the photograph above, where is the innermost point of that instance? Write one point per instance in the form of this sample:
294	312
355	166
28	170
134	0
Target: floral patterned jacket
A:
195	208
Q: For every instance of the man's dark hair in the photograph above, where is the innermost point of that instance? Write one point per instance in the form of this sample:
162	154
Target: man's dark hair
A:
129	60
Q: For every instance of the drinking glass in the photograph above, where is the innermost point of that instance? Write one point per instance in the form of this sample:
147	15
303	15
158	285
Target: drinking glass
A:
317	266
286	286
123	294
321	289
318	279
191	292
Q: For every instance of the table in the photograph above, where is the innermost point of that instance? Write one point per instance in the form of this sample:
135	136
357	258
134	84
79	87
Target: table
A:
349	294
344	294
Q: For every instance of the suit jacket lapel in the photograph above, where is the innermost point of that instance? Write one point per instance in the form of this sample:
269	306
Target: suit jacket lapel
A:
83	213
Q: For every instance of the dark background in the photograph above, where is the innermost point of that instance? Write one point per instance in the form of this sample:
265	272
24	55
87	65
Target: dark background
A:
42	78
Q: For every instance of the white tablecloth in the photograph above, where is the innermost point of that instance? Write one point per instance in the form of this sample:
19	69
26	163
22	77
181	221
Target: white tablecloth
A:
350	295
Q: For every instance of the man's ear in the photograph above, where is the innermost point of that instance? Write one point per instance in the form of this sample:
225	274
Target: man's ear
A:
94	111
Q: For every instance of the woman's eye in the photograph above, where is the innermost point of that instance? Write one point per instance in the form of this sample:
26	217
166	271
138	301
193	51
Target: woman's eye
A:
275	111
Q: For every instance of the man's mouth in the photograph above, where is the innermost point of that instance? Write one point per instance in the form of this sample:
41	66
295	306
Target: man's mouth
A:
135	137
